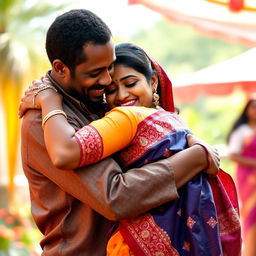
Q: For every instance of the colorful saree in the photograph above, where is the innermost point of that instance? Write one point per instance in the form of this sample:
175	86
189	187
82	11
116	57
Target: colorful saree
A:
203	221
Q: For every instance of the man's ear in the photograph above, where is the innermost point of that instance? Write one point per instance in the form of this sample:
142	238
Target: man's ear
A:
60	69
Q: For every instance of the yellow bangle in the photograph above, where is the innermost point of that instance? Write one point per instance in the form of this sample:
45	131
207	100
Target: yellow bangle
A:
53	113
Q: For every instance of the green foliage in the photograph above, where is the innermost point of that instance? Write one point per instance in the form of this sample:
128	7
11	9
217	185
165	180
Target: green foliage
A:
180	49
17	235
210	118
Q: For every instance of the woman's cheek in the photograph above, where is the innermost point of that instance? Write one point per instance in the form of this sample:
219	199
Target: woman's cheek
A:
110	100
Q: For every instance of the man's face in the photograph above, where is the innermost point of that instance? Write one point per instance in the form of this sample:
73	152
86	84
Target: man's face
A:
92	76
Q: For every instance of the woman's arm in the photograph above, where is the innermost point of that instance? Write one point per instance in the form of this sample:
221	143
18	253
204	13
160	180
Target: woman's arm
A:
59	135
241	160
91	143
62	147
237	143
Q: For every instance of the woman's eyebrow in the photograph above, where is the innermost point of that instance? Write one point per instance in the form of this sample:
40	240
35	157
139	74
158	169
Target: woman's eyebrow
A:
125	77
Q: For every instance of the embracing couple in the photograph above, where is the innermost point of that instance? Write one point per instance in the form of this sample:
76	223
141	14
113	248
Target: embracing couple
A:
111	166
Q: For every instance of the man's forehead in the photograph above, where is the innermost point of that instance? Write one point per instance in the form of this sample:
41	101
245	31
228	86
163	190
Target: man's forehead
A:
99	56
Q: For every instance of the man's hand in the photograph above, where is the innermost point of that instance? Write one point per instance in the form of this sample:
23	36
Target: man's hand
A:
212	154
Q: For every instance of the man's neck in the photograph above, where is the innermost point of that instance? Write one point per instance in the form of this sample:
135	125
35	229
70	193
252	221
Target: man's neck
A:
59	82
98	108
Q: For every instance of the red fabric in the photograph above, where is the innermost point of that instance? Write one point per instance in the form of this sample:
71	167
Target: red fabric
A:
190	93
229	186
131	230
208	20
219	79
130	2
164	87
226	201
236	5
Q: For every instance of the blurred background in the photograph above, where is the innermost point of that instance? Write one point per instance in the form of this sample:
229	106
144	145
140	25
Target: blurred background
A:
206	47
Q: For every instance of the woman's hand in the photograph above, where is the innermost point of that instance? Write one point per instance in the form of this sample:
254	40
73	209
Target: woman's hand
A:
212	154
38	91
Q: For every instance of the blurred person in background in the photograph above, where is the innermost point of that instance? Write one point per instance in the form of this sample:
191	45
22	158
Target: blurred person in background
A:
242	150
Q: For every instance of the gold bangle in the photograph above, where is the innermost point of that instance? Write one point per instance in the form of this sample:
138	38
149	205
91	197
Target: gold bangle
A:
53	113
42	88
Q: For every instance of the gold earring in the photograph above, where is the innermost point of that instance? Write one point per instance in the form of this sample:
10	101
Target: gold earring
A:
155	99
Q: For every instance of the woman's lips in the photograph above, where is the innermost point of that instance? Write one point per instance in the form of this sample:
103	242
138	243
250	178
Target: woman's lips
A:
128	103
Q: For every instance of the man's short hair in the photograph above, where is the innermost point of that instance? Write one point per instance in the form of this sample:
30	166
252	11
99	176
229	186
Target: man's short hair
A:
70	32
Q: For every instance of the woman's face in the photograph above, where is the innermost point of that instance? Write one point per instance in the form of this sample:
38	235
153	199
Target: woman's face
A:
251	111
129	88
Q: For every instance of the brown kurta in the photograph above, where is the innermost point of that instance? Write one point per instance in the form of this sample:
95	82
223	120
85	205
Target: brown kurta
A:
74	209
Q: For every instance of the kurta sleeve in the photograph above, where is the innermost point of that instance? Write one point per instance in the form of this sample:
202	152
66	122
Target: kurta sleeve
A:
108	135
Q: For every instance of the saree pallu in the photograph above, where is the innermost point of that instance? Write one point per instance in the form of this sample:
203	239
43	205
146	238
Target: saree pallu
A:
204	220
246	182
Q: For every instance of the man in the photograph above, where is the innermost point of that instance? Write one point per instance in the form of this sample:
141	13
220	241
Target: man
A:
74	209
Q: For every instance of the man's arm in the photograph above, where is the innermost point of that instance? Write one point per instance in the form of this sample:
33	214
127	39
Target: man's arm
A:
103	186
141	189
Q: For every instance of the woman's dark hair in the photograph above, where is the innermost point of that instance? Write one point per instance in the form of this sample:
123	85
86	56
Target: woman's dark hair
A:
242	119
70	32
134	57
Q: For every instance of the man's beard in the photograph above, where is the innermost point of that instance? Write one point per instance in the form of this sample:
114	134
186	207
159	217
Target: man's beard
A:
84	97
96	99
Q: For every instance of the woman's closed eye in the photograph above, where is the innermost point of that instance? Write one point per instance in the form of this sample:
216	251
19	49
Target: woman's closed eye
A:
129	85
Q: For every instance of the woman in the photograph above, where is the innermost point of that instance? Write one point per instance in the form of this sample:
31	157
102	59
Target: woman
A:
242	150
191	225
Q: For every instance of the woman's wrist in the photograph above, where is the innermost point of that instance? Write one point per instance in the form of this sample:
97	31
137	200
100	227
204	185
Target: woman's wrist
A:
49	97
208	157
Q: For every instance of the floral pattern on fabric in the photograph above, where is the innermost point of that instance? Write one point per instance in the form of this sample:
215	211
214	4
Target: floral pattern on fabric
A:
91	145
150	131
151	239
229	222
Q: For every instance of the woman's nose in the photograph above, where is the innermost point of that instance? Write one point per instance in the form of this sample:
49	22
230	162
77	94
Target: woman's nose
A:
122	94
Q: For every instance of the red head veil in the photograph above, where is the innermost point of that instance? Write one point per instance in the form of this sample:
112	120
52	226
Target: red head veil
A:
164	87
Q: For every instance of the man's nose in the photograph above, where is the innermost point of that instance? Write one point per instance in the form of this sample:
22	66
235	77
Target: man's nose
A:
105	79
